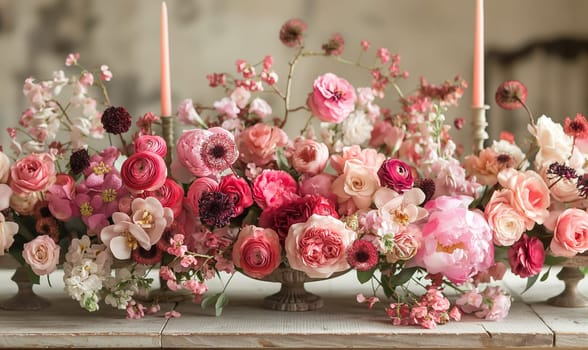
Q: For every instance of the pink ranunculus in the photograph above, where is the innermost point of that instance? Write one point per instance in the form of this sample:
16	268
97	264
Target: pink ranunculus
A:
358	183
531	194
309	156
198	187
506	222
368	157
170	195
272	188
332	98
33	173
526	256
317	246
60	197
4	168
7	231
319	185
570	235
257	251
239	191
257	144
396	174
42	255
151	143
456	241
143	171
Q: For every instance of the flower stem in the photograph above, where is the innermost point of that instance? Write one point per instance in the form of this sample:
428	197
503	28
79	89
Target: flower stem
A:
292	65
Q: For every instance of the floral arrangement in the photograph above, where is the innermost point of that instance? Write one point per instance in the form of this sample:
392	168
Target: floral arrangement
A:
379	192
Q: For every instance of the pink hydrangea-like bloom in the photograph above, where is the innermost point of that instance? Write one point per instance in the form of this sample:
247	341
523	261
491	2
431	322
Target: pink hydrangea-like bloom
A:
332	98
530	193
570	235
42	255
144	171
317	246
257	144
358	183
33	173
227	106
309	156
257	251
151	143
124	236
272	188
456	242
207	152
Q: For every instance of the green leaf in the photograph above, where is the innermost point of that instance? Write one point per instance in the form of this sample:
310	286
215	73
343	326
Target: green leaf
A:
584	270
221	302
530	282
209	300
403	276
554	260
545	275
364	276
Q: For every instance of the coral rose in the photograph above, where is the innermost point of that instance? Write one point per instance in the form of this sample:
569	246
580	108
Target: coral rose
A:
33	173
570	235
309	156
143	171
332	98
42	255
318	246
530	193
257	144
257	251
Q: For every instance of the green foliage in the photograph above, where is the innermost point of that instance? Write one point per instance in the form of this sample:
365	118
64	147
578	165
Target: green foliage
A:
364	276
530	282
219	300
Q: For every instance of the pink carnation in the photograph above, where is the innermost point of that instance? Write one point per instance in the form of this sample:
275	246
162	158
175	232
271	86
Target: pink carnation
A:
273	188
332	98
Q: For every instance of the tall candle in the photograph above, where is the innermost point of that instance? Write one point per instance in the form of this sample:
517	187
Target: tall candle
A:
164	64
478	80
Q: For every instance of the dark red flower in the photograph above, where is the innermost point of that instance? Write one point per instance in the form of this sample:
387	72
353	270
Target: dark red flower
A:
427	186
577	128
79	161
511	94
116	120
292	31
526	256
362	255
216	209
147	257
396	174
335	45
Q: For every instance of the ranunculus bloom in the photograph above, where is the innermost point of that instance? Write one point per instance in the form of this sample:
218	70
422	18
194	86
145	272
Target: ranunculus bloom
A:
170	195
257	144
396	174
272	188
33	173
317	246
144	171
530	193
309	156
456	242
124	236
42	255
7	231
238	190
332	98
526	256
570	235
60	197
4	167
358	183
257	251
506	222
198	187
151	143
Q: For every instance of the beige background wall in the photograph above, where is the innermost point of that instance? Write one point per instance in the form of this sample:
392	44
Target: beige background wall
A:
434	38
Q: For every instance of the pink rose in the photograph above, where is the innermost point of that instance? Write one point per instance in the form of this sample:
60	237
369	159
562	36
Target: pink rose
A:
143	171
151	143
33	173
358	183
506	222
272	188
332	98
531	194
257	251
317	246
309	156
198	187
570	235
319	185
42	255
257	144
396	174
60	197
526	256
368	157
239	191
456	241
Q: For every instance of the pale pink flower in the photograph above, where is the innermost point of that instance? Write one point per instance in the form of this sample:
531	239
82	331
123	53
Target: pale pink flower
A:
187	113
357	182
172	314
384	133
368	157
531	194
360	298
226	106
258	143
400	210
470	301
124	236
151	216
260	107
33	173
105	73
240	96
506	222
272	188
332	98
450	178
317	246
487	165
5	193
72	59
7	231
554	144
308	156
41	254
4	168
87	79
318	185
570	235
194	286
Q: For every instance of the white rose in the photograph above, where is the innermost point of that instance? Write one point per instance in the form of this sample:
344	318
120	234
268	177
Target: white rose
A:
24	203
356	129
4	167
7	232
554	144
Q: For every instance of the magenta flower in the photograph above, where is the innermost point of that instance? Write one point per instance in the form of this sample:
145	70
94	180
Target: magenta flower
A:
332	98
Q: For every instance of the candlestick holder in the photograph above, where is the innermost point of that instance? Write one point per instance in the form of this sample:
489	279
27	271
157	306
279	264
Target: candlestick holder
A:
479	128
167	132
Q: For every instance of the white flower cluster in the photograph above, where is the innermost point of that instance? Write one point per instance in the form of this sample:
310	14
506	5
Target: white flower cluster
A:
86	268
126	283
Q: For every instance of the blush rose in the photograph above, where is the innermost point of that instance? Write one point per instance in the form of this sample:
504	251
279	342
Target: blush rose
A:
42	255
33	173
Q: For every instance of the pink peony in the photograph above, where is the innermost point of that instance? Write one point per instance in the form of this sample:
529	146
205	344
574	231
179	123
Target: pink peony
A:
42	255
33	173
198	187
273	188
332	98
317	246
144	171
456	242
570	235
238	190
506	222
309	156
151	143
257	144
257	251
526	256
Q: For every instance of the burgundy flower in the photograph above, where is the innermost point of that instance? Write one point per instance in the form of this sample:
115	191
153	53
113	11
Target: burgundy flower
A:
79	161
396	174
526	256
216	208
362	255
147	257
427	186
116	120
511	94
292	31
335	45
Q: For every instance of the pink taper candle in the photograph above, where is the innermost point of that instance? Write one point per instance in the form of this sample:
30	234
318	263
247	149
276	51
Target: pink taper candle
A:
164	61
478	81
